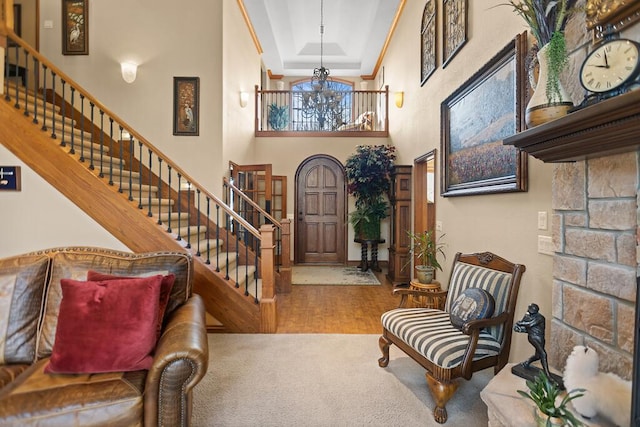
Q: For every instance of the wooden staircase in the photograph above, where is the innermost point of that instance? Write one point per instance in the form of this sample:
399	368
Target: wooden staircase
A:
107	178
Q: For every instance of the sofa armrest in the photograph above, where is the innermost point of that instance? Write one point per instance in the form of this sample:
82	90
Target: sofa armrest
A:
180	362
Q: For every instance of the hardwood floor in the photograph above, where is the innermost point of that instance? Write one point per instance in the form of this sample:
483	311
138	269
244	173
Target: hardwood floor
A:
335	309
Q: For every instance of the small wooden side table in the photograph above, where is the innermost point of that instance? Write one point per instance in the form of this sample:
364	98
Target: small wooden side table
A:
425	302
364	253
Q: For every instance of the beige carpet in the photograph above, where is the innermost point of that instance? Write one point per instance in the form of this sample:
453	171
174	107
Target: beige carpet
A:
331	275
321	380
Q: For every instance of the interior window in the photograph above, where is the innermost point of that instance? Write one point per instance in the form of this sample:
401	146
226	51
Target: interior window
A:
314	110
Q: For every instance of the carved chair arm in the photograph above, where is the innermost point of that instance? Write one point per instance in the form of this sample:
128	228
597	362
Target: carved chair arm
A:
476	325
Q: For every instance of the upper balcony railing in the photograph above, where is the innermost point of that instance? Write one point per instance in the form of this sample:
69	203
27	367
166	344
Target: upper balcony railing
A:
342	113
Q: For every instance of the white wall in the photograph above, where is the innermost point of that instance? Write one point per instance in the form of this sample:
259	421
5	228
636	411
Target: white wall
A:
167	40
39	218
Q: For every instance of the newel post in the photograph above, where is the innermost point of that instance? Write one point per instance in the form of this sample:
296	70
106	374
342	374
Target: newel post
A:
268	315
285	257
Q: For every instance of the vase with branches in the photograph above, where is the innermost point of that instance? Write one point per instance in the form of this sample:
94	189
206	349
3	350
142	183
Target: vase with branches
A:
547	20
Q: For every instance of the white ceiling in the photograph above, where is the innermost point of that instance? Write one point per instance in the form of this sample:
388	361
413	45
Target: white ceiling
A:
289	33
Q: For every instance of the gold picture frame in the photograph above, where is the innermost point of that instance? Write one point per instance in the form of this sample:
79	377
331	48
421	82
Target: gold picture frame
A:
75	27
617	13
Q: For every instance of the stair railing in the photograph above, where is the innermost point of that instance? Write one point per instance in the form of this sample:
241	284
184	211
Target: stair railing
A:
241	203
199	220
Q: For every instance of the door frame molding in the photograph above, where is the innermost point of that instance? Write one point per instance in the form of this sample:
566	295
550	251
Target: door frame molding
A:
296	191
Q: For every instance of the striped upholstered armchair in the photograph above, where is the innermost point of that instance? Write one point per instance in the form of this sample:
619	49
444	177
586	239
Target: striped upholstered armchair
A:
469	331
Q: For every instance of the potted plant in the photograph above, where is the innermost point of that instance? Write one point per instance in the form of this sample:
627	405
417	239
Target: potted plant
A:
425	250
547	20
368	173
551	408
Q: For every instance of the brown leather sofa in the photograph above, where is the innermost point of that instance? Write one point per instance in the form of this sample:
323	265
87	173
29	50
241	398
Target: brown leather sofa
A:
30	296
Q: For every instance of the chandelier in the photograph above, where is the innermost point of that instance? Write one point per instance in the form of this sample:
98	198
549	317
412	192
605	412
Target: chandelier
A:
322	103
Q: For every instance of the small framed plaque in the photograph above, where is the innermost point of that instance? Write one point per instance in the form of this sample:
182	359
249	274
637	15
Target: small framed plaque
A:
10	178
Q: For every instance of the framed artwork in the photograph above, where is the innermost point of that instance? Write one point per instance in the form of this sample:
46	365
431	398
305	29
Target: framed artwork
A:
10	178
75	27
475	120
428	38
186	106
17	23
619	13
454	28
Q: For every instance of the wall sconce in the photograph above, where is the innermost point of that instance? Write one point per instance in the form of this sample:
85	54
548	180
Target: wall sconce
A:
399	97
129	71
244	99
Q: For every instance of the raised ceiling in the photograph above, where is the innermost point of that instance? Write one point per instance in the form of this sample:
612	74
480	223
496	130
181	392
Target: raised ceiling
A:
355	32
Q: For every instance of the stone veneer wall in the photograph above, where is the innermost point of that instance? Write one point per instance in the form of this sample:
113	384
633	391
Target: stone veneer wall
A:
595	224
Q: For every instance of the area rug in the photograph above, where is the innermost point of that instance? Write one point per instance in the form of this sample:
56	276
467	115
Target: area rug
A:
322	380
332	275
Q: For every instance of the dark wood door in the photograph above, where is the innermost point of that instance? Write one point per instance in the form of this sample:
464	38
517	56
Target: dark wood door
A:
320	211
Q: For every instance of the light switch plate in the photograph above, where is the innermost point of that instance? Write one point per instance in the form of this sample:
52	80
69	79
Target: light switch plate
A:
545	245
48	23
542	220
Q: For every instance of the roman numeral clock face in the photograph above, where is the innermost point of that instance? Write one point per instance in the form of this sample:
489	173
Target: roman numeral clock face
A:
610	66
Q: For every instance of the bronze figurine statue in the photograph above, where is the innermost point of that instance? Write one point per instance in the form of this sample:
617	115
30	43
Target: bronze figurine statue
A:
533	323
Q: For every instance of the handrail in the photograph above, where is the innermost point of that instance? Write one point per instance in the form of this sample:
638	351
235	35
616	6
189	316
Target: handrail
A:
247	199
64	77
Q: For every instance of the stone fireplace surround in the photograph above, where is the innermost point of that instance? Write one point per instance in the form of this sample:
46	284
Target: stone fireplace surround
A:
595	227
595	223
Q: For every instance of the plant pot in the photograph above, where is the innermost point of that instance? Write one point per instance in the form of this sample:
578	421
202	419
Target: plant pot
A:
368	230
543	420
425	273
540	109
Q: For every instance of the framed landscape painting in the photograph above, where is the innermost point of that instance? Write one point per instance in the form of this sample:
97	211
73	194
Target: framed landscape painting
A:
186	106
476	118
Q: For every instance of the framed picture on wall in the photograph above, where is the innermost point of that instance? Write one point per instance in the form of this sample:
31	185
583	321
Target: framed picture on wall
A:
475	120
428	39
186	106
454	28
75	27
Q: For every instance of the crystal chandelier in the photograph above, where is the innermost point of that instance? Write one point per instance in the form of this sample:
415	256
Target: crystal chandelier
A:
322	102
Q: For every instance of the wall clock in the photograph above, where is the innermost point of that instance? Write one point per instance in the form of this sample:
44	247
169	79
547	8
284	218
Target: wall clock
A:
611	68
428	41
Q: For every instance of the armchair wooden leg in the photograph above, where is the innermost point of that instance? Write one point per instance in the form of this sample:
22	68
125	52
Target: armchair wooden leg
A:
441	392
384	347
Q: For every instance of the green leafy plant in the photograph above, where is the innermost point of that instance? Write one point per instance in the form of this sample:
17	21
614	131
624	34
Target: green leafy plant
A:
426	248
547	20
366	219
368	173
545	394
278	116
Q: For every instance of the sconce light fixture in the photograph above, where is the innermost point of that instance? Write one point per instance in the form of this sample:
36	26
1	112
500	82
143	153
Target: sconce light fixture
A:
399	97
129	71
244	99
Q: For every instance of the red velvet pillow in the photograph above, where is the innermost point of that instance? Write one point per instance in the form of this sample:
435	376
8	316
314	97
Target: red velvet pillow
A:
106	326
165	292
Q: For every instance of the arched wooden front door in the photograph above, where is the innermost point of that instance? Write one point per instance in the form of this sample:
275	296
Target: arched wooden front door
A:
320	231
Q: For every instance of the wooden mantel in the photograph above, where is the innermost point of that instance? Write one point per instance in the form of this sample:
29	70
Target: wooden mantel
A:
608	127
